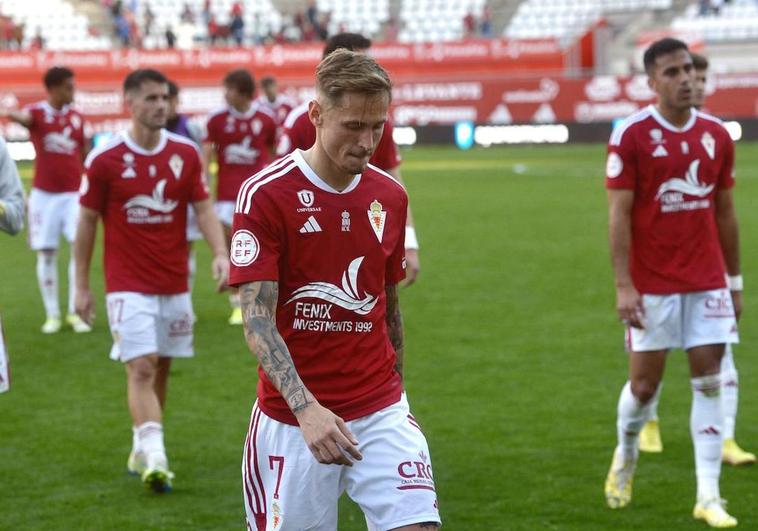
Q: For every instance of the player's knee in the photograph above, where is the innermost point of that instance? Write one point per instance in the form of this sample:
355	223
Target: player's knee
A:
142	370
423	526
644	390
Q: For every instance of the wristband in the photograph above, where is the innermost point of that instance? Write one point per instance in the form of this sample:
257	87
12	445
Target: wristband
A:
734	283
411	241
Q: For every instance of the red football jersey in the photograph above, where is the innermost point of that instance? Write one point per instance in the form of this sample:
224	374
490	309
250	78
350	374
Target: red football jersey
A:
675	174
59	140
243	145
143	197
299	133
280	107
332	254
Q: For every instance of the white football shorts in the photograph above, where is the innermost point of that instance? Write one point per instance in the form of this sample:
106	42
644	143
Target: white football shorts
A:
685	320
225	212
193	230
286	489
143	324
50	215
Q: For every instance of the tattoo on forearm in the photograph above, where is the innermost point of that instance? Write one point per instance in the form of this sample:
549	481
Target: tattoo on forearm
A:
395	326
258	301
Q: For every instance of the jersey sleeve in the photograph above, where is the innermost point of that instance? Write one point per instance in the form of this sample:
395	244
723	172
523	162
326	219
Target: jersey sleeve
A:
621	164
256	242
198	186
209	133
386	155
94	188
271	134
395	268
726	175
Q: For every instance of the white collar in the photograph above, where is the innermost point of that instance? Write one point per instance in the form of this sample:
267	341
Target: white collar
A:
317	181
658	117
131	144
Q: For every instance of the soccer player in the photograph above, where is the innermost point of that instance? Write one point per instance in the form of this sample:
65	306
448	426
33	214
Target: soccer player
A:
179	124
650	436
299	133
242	138
11	194
279	104
140	183
673	238
60	144
317	253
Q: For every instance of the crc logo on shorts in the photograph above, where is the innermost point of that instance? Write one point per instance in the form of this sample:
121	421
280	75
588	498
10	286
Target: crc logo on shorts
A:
244	249
416	474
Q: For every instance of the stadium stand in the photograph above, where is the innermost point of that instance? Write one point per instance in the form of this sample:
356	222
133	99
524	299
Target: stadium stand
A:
733	21
568	20
56	22
433	20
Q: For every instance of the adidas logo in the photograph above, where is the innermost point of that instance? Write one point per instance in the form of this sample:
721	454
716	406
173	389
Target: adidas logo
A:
710	430
660	151
310	226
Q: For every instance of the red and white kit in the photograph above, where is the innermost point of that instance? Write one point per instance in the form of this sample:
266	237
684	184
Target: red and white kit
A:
243	143
280	107
59	139
332	254
299	133
675	174
142	197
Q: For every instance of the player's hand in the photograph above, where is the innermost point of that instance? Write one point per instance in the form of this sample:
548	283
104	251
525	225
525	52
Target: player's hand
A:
629	306
220	270
737	303
327	436
412	267
84	305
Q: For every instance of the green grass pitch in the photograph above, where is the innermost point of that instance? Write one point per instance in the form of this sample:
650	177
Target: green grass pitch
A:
514	362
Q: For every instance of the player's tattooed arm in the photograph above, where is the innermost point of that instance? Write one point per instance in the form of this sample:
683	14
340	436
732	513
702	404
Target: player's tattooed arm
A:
395	325
258	301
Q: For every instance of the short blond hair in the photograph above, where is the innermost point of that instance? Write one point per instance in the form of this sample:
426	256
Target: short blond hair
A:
345	71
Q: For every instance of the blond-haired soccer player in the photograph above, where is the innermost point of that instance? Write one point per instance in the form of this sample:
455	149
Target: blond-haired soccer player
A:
140	183
318	252
673	239
650	436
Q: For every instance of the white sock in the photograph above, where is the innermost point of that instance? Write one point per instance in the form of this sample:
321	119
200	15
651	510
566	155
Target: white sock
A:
706	421
234	300
47	278
652	406
192	266
632	414
151	440
729	391
71	285
135	440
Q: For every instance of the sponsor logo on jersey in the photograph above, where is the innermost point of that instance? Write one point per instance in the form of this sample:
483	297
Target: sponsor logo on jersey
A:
660	151
345	221
311	225
61	143
138	208
709	143
244	248
613	166
656	136
671	193
377	217
306	198
129	172
241	153
345	296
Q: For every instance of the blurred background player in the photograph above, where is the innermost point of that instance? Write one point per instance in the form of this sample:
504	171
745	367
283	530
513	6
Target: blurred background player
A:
280	105
11	193
331	414
299	133
241	137
673	238
60	144
650	436
140	183
180	124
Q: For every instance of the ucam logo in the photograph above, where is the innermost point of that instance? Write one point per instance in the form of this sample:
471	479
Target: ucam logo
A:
156	202
690	185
